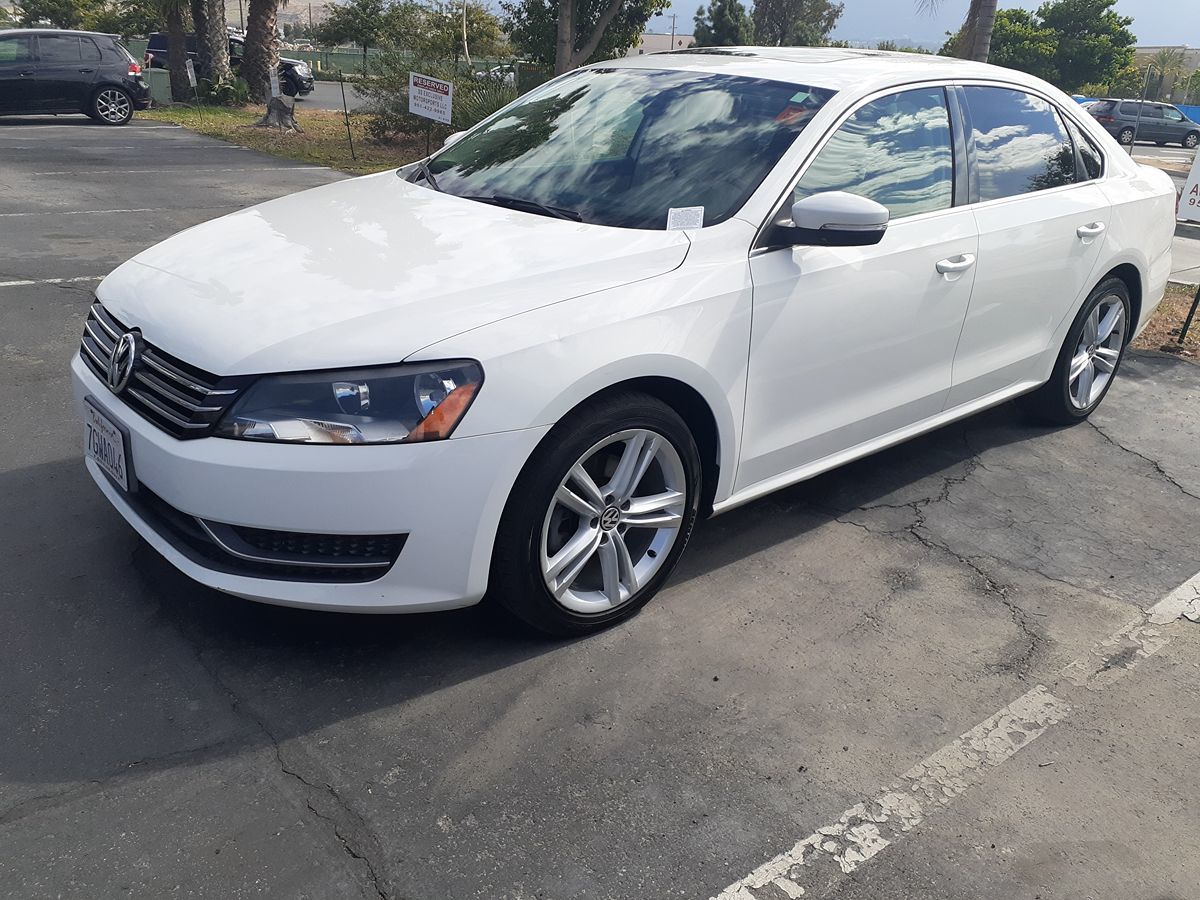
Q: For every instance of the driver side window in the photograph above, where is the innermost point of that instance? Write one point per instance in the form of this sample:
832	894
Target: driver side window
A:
896	150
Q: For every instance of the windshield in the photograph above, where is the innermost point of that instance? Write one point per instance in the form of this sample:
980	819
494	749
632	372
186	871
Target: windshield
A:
622	147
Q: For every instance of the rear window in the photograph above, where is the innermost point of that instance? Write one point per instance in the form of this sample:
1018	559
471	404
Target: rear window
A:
1103	107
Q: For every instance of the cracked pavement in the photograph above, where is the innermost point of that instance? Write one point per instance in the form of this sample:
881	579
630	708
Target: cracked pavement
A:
165	740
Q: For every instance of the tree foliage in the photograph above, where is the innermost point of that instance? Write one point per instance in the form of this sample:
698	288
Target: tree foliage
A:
723	23
1071	43
794	22
532	25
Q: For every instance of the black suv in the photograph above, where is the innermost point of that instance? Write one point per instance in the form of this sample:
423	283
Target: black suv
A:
295	76
45	70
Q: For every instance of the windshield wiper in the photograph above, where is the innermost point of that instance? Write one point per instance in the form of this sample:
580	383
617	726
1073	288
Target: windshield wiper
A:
423	171
532	206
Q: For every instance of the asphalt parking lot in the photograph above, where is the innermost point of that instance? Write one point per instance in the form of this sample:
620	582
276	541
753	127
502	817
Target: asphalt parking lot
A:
956	669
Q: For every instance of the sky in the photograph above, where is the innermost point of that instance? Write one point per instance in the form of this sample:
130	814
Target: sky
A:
1154	21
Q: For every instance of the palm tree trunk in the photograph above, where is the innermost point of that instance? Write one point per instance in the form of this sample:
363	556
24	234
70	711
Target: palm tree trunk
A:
215	40
177	53
262	48
198	28
985	21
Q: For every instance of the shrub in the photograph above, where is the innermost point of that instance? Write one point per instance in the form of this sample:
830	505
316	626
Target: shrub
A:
225	91
476	97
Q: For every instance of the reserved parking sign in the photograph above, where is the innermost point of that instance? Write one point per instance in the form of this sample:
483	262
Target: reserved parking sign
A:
430	97
1189	200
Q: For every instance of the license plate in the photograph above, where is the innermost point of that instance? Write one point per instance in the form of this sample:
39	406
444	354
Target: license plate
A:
104	443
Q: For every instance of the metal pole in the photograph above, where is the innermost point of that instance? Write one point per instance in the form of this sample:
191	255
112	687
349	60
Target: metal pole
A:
241	20
672	31
346	115
1187	323
1138	121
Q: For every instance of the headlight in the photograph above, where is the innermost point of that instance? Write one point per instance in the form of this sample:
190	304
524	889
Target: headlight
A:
303	69
386	405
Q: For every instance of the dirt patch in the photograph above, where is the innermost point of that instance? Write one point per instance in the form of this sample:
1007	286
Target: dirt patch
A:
1162	332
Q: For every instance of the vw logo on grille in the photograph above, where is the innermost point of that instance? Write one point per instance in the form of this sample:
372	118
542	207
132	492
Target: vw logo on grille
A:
124	359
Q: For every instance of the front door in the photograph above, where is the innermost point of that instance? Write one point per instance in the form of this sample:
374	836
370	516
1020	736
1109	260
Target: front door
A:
849	344
67	66
16	72
1042	221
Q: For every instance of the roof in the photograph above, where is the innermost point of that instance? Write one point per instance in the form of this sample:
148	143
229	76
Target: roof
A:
8	31
830	67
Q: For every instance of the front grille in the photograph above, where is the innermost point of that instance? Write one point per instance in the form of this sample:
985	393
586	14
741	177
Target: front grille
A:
263	553
179	398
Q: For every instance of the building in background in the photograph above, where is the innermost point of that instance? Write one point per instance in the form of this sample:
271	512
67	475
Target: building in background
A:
660	43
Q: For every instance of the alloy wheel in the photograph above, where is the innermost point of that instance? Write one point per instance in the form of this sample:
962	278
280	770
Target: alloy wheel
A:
613	521
1098	352
112	105
1191	141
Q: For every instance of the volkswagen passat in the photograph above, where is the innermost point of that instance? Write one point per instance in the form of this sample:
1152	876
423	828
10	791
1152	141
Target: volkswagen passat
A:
650	290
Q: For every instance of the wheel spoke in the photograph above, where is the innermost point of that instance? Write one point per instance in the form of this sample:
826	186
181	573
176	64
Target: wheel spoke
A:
1110	321
1091	326
590	493
1086	379
575	503
630	468
657	511
1106	359
610	569
566	565
625	563
1079	363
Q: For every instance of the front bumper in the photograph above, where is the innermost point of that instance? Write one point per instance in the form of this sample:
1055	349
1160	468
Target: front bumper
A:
444	497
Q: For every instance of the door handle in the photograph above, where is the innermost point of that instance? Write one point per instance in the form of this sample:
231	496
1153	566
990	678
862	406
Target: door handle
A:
86	71
1090	231
26	74
956	264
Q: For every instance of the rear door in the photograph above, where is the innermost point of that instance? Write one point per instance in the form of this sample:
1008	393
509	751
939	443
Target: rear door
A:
66	70
17	69
1154	125
1042	222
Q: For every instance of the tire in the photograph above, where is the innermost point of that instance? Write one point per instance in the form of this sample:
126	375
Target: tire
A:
111	105
1125	136
1062	400
1191	140
288	87
627	563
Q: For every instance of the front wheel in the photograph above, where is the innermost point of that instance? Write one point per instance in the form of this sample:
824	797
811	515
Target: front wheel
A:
599	516
1089	359
288	87
1191	140
1126	136
111	106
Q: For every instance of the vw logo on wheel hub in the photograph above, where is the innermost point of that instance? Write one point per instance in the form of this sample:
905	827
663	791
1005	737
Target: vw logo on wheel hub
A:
123	361
610	518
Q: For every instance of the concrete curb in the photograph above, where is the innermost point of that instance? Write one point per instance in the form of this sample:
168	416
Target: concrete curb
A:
1188	230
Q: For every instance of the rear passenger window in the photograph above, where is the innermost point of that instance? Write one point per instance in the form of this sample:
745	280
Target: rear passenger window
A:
58	48
895	150
1129	109
15	49
1089	154
1021	144
89	50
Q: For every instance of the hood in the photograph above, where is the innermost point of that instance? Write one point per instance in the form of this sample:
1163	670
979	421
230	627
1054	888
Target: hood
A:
364	272
290	62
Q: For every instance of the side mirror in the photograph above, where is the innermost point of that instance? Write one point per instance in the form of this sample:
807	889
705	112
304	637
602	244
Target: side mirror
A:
834	219
450	139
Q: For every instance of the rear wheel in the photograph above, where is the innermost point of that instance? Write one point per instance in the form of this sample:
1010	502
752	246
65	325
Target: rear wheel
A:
111	106
1191	140
599	516
1089	359
1126	136
288	86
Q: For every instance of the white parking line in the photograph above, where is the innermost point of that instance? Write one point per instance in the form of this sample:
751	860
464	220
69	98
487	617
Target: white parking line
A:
187	170
867	828
72	212
29	281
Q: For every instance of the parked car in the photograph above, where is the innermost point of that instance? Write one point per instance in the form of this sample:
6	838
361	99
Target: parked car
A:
529	363
295	75
1160	122
49	70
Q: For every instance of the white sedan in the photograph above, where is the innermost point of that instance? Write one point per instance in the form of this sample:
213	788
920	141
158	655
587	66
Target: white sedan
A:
652	289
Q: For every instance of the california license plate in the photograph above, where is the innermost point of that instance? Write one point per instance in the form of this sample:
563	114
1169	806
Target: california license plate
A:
104	443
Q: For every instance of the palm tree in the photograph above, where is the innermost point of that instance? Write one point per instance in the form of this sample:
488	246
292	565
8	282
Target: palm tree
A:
975	39
177	52
1170	63
215	40
261	56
